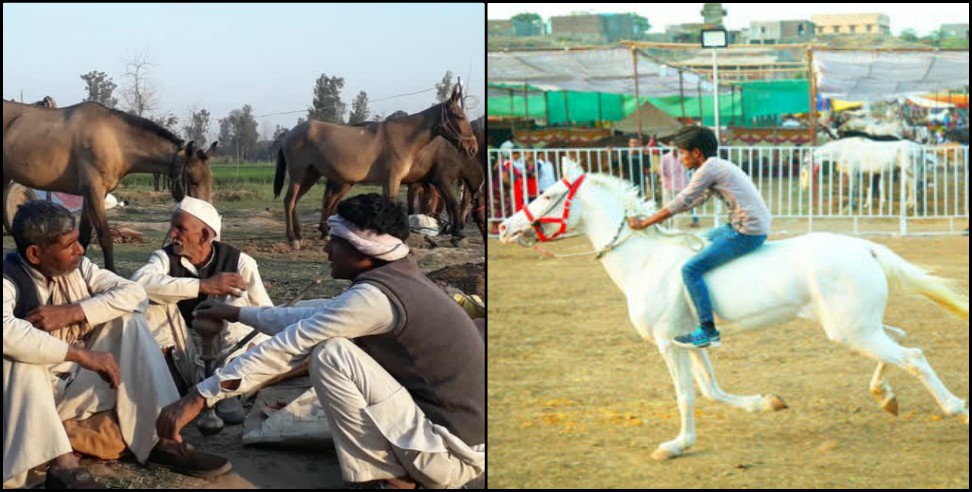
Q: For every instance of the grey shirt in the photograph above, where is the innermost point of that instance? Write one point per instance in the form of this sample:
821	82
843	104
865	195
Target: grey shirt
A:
748	213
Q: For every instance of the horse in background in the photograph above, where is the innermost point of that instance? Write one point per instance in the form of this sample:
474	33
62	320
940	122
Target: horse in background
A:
857	156
86	149
374	153
842	282
47	102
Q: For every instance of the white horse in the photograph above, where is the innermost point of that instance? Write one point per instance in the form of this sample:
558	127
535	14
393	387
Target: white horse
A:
857	156
840	281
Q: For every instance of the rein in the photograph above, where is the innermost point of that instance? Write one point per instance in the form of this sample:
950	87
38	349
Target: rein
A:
537	222
450	131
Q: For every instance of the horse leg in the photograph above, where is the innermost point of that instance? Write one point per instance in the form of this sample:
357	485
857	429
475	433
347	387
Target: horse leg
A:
705	379
448	196
7	221
84	229
311	175
678	366
290	213
94	207
878	345
479	211
415	192
335	191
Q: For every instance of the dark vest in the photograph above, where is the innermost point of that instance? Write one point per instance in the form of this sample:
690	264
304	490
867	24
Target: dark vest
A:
27	297
435	351
226	260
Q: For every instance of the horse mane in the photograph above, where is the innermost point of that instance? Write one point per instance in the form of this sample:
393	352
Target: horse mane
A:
632	201
630	195
144	124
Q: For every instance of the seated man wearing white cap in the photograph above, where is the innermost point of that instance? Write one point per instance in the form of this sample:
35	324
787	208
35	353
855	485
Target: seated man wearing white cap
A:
196	267
398	366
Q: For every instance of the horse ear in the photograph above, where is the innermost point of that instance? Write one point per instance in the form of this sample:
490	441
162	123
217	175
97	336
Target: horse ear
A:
457	94
568	168
212	150
190	147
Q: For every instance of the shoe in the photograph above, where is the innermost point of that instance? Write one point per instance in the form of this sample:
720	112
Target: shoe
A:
231	411
188	461
699	339
476	483
78	478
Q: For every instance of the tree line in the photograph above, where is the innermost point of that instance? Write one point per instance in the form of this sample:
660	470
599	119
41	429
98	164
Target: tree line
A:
238	134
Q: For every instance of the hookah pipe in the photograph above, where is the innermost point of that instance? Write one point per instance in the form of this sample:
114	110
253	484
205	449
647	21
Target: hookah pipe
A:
209	423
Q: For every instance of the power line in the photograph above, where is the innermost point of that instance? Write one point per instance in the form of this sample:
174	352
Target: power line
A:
369	101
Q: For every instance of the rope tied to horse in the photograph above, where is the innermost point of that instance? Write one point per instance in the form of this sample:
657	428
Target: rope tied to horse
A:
448	129
692	241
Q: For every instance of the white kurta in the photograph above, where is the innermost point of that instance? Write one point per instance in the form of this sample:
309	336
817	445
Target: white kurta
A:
40	389
167	323
379	431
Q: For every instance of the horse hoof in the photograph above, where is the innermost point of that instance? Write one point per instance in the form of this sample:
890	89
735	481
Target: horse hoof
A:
776	403
295	245
891	406
662	454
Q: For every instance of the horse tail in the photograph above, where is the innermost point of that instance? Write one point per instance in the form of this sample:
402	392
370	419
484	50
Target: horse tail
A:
915	280
278	177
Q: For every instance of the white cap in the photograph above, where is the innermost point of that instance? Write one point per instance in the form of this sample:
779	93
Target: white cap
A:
203	211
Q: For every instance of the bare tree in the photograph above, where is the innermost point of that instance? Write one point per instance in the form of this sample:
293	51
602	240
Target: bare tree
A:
140	96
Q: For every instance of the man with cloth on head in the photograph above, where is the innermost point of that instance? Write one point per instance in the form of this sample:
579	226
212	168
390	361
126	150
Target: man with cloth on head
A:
398	366
195	267
75	344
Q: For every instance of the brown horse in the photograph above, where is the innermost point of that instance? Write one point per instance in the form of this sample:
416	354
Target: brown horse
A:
86	150
441	166
374	153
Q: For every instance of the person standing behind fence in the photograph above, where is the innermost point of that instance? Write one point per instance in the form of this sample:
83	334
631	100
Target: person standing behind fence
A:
674	178
545	170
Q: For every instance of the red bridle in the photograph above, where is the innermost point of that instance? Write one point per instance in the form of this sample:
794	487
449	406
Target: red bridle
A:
537	222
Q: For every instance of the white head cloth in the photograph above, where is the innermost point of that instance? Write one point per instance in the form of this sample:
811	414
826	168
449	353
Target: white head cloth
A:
203	211
382	246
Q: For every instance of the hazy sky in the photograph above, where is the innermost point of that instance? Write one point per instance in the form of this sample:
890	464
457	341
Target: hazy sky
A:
220	57
922	17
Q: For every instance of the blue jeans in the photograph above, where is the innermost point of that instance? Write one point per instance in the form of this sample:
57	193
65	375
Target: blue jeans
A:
726	246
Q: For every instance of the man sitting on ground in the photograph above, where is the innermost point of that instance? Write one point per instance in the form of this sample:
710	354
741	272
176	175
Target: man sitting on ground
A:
75	344
398	366
195	267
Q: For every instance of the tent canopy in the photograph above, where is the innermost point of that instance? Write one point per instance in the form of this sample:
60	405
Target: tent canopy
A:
653	122
878	75
610	70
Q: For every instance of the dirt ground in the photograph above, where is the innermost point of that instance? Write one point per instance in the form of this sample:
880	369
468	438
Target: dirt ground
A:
260	233
578	400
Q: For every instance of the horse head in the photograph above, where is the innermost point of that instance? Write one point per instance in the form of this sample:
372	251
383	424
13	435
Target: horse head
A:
191	173
550	214
454	126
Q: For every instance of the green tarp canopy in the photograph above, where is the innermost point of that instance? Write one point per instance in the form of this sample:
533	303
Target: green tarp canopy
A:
749	101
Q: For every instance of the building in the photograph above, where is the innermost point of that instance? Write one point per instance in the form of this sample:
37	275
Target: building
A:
851	24
499	28
956	30
517	28
780	32
601	28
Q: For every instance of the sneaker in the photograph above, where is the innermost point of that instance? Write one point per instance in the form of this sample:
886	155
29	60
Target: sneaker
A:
78	478
188	461
699	339
231	411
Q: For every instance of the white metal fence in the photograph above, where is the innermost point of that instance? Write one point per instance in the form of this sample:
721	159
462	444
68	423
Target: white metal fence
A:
802	194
